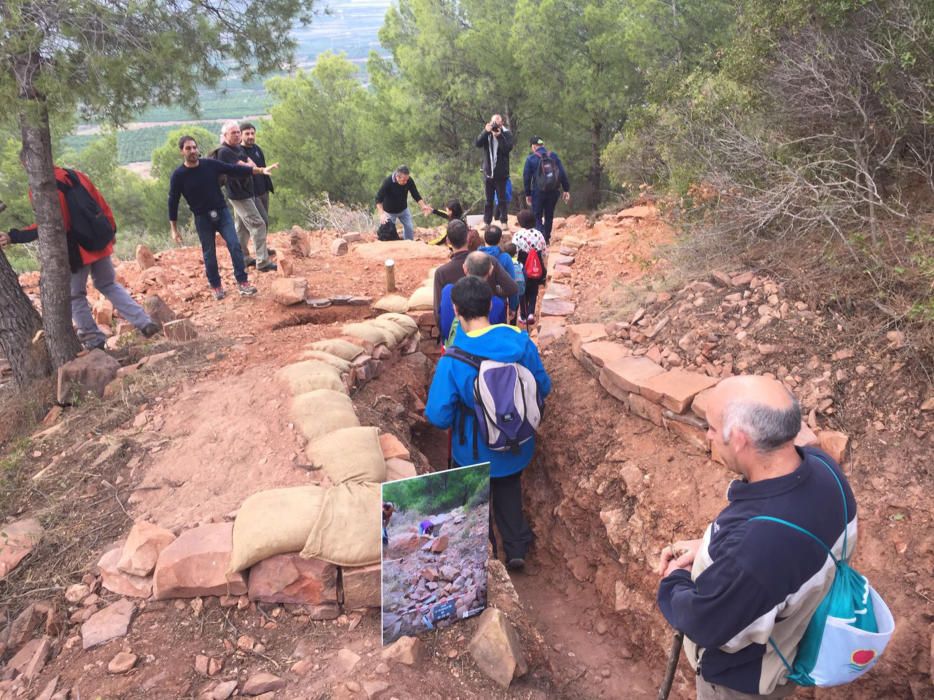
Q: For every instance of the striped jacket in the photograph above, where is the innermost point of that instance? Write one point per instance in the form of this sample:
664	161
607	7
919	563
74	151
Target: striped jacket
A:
752	581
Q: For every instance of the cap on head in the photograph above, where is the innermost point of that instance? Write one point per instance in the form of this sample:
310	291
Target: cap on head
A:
536	141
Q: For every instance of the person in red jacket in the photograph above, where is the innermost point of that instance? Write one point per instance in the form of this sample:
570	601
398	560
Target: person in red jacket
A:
83	262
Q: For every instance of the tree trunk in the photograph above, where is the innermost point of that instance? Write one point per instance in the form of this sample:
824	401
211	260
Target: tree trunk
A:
55	282
595	177
19	323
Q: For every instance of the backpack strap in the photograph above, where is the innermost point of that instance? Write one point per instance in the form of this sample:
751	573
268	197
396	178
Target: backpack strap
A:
456	353
469	358
846	519
801	530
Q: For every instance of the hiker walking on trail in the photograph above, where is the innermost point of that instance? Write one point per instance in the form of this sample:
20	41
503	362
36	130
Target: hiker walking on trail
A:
392	200
196	180
528	239
262	184
508	446
476	264
496	142
90	231
501	282
543	178
250	223
492	237
744	593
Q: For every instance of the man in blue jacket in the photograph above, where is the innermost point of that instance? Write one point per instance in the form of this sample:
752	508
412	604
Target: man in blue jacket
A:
751	586
451	404
543	178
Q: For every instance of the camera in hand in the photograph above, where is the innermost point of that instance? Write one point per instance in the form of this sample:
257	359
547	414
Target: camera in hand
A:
496	128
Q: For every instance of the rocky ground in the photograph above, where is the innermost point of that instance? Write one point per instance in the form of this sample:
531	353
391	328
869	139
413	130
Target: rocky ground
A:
198	422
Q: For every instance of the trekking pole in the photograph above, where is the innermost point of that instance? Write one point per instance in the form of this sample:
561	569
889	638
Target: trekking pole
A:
673	656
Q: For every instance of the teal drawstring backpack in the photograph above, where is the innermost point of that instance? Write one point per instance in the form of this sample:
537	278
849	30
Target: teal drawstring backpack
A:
850	628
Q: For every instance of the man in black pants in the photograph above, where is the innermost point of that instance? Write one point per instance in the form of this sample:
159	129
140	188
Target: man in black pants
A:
496	142
196	180
262	184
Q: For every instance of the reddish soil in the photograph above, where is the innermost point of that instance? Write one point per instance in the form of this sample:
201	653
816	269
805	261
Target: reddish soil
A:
605	493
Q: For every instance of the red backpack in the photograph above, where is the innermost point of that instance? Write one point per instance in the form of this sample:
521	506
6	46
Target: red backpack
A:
533	266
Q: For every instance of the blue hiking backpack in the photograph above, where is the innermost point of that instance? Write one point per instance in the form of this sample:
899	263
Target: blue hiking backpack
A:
850	628
507	404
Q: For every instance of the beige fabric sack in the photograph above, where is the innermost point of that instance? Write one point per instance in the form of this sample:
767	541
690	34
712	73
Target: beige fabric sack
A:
403	320
369	333
274	522
338	363
397	332
349	454
309	375
422	299
347	530
335	346
392	302
320	412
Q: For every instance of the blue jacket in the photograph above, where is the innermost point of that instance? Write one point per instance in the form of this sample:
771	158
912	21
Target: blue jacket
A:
505	259
531	167
753	580
446	312
451	394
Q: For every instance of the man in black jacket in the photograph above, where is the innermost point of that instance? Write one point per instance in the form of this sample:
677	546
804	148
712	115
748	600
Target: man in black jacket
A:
392	200
262	184
249	222
496	142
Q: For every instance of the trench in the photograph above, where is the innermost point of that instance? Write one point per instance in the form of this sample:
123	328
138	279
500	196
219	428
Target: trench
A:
592	597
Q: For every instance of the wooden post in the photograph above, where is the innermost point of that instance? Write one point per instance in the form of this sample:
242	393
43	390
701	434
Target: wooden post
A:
390	275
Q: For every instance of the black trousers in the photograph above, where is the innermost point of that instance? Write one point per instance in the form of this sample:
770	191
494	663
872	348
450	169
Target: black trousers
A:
506	509
527	303
499	187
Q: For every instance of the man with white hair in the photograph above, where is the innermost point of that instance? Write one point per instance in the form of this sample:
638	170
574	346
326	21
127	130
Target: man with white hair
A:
744	594
249	221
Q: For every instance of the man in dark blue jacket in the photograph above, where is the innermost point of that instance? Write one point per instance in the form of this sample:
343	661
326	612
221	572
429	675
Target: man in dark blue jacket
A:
750	584
451	404
543	178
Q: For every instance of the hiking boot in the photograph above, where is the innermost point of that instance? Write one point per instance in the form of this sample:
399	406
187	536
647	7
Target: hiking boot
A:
267	267
249	262
246	289
516	564
149	330
99	345
218	293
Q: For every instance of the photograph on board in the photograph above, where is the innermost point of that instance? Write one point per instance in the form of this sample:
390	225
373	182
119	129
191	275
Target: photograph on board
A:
435	541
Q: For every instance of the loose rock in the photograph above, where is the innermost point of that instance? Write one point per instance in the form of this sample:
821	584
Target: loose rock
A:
496	650
110	623
122	662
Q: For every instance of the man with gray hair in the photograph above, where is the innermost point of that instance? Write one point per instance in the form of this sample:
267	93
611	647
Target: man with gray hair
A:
249	221
392	200
479	265
743	595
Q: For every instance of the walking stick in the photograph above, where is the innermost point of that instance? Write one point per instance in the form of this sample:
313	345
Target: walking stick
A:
673	656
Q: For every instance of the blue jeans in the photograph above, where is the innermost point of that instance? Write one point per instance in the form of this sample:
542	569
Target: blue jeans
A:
405	216
543	207
224	225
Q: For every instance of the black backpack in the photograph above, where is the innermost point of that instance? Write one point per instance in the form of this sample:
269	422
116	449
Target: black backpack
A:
548	178
387	232
90	227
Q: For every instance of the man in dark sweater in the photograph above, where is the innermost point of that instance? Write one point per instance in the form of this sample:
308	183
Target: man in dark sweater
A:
392	200
501	282
196	180
496	142
262	184
250	223
743	594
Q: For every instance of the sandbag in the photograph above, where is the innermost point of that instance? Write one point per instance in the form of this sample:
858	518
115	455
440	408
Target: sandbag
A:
336	362
369	333
392	302
403	320
349	454
397	332
274	522
347	530
310	375
335	346
422	299
320	412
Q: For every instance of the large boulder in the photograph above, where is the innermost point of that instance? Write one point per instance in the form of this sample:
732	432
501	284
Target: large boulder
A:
90	373
288	578
496	650
196	564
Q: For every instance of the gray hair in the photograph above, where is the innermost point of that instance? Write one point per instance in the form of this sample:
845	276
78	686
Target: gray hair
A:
478	264
768	428
227	126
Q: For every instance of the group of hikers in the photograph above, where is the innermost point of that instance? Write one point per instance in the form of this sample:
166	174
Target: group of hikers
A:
744	594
